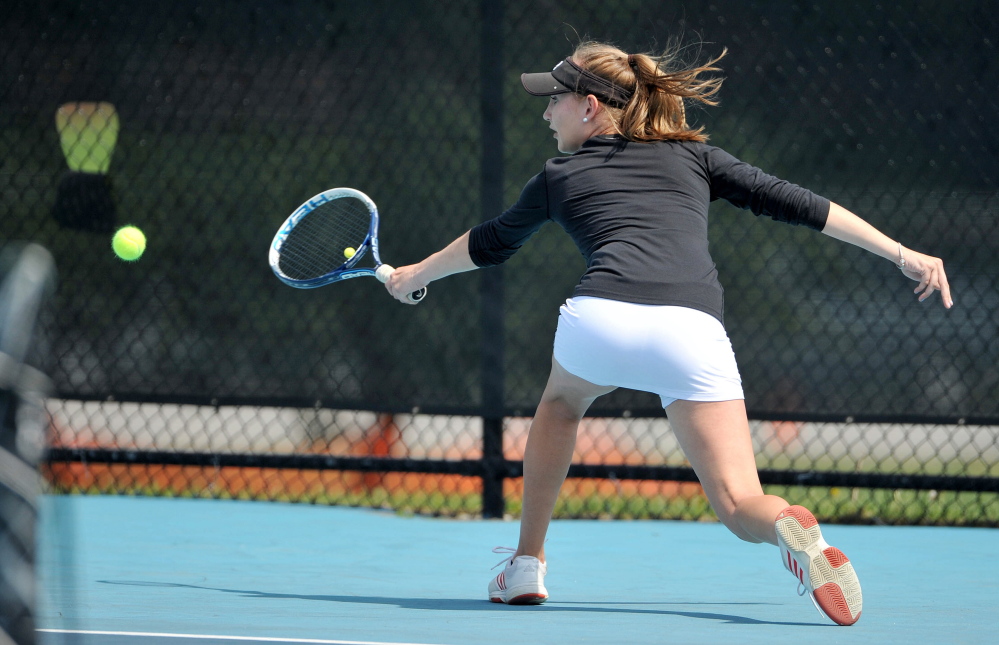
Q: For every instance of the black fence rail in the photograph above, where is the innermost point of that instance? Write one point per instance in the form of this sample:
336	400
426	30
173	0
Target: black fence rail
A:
853	470
194	372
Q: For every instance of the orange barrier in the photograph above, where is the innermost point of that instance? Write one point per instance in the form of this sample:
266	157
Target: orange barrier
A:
594	445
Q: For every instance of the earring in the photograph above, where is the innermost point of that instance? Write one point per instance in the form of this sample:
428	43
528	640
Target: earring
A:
585	119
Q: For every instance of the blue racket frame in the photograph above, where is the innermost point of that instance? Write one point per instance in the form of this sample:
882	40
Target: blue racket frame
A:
348	269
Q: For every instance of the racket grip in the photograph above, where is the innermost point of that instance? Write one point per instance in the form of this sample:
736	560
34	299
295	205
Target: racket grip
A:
384	271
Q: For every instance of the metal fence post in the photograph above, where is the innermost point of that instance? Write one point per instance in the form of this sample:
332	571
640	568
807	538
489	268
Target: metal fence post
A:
491	79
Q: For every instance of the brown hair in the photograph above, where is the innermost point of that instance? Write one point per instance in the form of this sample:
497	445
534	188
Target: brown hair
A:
660	84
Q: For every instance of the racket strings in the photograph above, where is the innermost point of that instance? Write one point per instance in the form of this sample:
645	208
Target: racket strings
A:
315	246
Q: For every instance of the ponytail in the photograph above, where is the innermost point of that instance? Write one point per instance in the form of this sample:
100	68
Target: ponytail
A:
659	87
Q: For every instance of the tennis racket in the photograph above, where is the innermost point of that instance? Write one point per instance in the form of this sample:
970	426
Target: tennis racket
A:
326	237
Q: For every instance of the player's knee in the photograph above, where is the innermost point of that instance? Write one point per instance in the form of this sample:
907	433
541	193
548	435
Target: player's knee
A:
733	525
744	536
728	515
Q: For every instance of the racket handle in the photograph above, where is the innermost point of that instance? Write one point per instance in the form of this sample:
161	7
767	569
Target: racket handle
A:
384	271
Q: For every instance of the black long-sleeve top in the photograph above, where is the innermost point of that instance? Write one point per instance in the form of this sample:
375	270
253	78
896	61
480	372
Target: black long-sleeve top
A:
638	212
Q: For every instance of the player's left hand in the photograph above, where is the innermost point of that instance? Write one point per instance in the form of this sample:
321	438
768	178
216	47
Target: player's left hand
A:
928	271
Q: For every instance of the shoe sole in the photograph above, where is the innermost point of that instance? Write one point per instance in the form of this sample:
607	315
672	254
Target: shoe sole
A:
836	588
523	599
523	595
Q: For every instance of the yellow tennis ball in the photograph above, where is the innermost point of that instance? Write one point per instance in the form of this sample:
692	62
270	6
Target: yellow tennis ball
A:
129	243
349	252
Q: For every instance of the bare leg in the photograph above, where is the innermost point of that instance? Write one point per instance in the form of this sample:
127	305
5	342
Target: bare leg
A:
548	453
715	438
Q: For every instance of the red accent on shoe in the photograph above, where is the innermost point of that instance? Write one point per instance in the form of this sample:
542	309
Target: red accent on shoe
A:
830	598
800	513
495	600
835	557
795	569
501	581
528	599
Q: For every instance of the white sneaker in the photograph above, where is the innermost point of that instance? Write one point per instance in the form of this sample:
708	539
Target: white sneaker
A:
822	570
522	582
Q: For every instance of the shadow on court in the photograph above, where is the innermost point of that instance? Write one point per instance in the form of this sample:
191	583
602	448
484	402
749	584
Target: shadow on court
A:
465	604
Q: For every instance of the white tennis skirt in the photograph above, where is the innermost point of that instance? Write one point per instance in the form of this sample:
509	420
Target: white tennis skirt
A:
675	352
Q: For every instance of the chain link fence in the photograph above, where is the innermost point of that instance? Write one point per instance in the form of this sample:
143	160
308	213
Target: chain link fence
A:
195	372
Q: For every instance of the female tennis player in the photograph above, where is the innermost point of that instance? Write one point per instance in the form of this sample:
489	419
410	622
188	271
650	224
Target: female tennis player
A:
647	313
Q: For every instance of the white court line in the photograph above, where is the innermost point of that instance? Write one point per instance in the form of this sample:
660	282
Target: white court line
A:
225	638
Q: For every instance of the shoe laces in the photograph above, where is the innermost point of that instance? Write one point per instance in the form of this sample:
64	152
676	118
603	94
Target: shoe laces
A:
803	590
509	550
785	556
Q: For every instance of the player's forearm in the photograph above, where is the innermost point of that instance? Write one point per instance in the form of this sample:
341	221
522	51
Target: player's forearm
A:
454	258
847	227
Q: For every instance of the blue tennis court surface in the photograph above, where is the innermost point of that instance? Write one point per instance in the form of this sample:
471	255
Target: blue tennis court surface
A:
154	571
